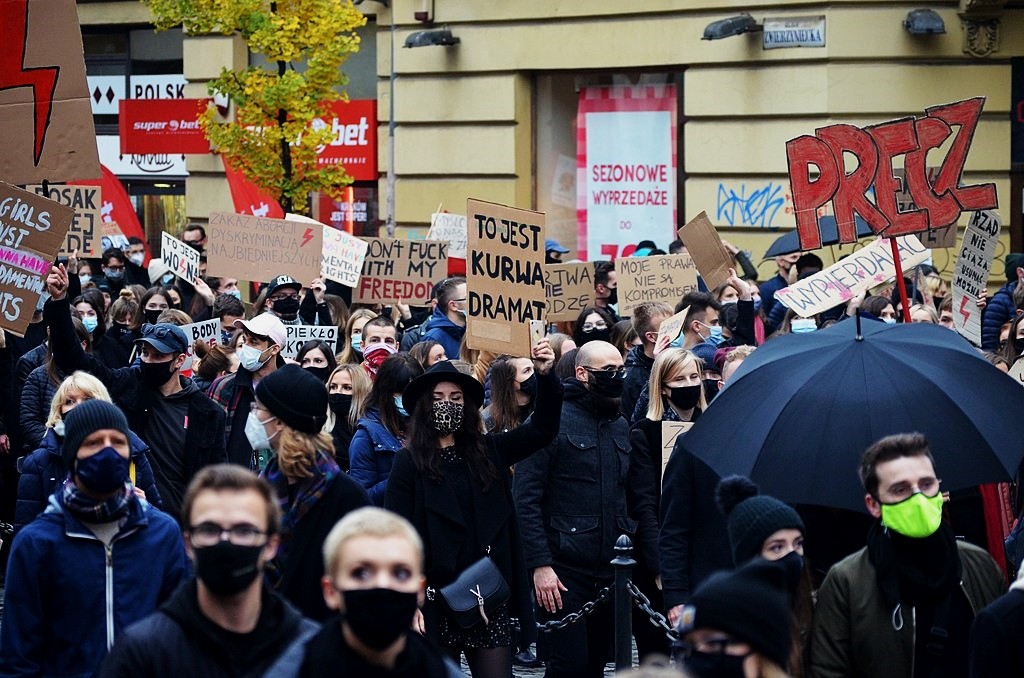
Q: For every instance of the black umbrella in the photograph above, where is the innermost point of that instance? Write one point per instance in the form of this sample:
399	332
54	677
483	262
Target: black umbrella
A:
800	411
790	242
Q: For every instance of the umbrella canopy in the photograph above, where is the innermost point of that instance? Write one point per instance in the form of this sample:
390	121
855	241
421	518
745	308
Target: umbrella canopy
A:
790	242
800	411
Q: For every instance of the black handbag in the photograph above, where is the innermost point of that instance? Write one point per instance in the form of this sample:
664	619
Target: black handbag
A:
477	592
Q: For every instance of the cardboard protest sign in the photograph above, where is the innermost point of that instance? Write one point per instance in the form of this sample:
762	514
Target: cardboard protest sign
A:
112	236
207	330
843	280
659	278
705	247
450	228
343	255
181	258
84	233
971	277
568	289
48	131
670	431
933	238
257	248
671	327
297	335
1017	372
939	201
32	229
504	275
401	271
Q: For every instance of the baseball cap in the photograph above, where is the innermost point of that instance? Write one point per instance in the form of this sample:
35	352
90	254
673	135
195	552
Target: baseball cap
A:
552	245
283	281
165	337
265	325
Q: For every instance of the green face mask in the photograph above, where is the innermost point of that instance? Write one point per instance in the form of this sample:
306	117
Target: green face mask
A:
916	516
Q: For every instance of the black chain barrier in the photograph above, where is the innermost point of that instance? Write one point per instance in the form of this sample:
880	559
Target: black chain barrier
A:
656	618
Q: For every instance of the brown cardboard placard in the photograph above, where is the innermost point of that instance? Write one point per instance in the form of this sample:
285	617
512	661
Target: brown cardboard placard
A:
670	430
673	326
664	277
257	248
32	229
84	234
705	246
400	271
1017	372
48	131
934	238
504	275
568	289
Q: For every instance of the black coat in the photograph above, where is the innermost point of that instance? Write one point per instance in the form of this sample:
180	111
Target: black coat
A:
434	510
571	495
638	373
996	649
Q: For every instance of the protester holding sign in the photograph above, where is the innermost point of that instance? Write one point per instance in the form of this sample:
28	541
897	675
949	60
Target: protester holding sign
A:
647	318
448	321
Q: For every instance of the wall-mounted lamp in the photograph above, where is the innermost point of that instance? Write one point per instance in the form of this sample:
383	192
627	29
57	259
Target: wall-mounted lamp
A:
924	22
734	25
441	37
386	3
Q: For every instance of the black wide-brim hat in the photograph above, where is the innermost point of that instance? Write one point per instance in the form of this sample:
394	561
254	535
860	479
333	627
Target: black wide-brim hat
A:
424	384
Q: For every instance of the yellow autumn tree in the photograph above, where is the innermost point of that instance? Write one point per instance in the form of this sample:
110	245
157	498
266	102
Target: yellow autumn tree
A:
271	139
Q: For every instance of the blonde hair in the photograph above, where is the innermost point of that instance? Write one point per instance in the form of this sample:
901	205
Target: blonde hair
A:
348	355
927	308
361	386
297	451
668	362
84	382
368	522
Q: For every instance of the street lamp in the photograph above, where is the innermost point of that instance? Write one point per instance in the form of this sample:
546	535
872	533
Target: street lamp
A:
734	25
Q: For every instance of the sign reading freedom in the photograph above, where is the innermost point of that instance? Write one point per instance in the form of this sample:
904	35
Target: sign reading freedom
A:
505	276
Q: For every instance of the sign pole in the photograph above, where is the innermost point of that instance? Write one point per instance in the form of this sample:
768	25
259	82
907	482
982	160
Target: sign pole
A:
901	284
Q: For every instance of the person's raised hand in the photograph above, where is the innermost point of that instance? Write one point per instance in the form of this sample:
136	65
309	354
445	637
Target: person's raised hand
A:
318	288
543	356
730	248
662	343
203	290
739	284
73	263
57	282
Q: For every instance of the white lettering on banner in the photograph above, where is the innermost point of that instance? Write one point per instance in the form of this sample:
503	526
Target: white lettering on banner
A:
297	335
971	274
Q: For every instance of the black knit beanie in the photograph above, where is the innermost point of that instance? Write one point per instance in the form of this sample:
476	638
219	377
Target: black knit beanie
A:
752	518
296	397
84	420
750	604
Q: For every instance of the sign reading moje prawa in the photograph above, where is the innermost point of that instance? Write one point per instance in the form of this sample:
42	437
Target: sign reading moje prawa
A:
659	278
504	275
845	279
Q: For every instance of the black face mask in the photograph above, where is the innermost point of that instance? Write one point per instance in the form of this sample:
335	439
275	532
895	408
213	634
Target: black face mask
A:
151	314
529	386
156	375
226	568
320	373
548	259
714	665
613	298
710	388
684	397
118	329
595	335
286	307
607	384
378	617
340	403
793	562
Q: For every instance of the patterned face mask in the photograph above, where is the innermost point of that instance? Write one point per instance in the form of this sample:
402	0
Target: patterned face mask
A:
446	416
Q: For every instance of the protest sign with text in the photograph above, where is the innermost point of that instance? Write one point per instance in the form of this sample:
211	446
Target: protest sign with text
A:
504	275
970	278
568	289
938	201
343	255
87	202
665	277
32	229
297	335
207	331
257	248
401	271
705	247
671	327
450	228
181	258
112	236
670	431
843	280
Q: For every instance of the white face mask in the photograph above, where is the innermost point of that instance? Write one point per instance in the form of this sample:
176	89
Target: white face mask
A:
249	358
256	432
137	258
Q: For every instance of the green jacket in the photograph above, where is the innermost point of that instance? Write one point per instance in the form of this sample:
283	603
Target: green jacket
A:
855	635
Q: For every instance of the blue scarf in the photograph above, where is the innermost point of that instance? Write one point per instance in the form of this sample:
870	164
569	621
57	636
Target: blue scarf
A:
89	510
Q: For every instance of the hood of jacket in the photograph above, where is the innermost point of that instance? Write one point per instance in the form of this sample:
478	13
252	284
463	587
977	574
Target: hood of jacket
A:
637	357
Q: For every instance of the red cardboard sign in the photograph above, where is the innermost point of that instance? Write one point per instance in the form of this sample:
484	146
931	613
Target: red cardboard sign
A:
354	145
939	201
162	126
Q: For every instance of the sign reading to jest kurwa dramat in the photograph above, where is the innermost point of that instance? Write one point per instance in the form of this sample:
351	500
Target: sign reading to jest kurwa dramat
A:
32	229
972	267
568	289
504	276
84	234
664	277
401	271
257	248
847	182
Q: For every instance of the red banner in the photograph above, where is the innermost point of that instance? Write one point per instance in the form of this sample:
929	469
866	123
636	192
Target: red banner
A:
248	197
355	138
162	126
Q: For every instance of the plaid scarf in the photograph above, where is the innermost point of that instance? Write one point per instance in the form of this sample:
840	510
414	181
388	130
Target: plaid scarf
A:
307	493
89	510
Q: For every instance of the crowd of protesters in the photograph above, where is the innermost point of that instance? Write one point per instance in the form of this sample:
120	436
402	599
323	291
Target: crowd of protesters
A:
221	509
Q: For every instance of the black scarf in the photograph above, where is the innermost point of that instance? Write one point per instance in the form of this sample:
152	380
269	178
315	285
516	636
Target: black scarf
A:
327	653
914	571
590	401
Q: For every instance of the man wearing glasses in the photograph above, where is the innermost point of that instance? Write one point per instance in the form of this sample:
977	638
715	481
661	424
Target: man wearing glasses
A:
572	507
226	622
283	299
448	321
903	605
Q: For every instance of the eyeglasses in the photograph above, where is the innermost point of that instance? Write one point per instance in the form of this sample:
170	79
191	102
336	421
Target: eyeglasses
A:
599	325
617	372
211	534
115	268
279	297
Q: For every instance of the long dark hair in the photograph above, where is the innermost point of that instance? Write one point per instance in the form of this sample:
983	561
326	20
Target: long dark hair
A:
94	298
394	375
504	409
469	439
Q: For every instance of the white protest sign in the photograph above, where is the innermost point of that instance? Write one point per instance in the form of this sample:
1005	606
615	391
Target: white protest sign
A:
845	279
343	253
207	330
297	335
971	277
182	259
452	229
1017	372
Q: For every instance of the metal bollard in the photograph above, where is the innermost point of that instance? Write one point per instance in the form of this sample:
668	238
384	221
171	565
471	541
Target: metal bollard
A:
623	564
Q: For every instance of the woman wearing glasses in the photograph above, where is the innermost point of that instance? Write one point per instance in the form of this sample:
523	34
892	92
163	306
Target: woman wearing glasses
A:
288	417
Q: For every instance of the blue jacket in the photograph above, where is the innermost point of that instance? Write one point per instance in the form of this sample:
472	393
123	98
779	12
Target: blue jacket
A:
68	596
371	454
445	332
43	473
1000	309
